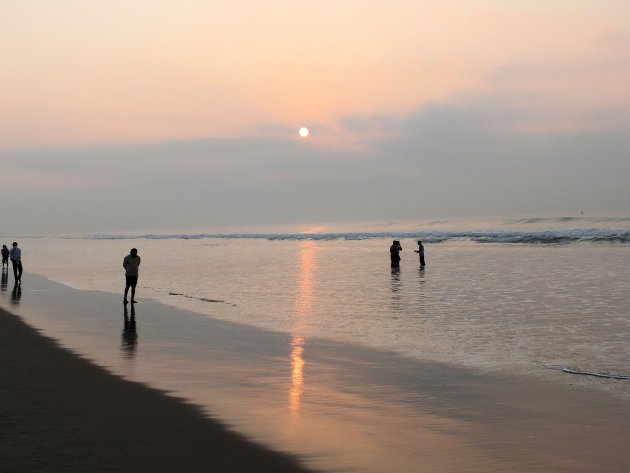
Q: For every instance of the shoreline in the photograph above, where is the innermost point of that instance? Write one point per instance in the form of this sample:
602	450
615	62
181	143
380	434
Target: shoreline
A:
334	406
60	412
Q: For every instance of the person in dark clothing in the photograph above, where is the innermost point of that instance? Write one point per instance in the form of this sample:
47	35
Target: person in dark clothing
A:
394	253
15	254
5	257
420	252
131	263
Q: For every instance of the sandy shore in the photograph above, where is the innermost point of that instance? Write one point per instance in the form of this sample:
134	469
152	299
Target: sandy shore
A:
60	413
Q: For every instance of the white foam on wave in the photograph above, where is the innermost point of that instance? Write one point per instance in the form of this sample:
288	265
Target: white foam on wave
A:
592	235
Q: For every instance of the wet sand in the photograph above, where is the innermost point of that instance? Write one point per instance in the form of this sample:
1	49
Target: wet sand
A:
60	413
335	407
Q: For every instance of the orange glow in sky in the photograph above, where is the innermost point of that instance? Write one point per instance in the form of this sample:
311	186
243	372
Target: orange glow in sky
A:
415	109
86	72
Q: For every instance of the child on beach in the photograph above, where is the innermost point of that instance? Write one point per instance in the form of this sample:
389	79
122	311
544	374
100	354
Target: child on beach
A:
5	257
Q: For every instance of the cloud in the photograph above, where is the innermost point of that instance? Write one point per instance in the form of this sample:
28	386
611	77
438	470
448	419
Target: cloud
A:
442	160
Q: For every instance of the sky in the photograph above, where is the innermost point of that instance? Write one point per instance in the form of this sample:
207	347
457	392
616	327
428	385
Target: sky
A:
127	115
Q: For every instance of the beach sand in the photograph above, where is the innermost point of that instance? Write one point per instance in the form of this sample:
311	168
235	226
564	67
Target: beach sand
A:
334	407
61	413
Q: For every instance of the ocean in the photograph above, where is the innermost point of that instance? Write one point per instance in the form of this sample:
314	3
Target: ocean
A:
543	299
526	295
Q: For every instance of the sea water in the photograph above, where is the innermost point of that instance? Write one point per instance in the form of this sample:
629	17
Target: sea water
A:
530	296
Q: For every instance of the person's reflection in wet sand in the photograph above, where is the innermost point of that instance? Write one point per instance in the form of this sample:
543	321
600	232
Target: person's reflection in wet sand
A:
5	280
16	295
129	343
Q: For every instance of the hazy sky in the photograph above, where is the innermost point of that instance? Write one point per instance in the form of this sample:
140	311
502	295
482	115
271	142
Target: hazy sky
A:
153	114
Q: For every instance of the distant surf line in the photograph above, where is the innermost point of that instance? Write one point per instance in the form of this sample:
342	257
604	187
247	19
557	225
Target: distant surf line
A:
543	237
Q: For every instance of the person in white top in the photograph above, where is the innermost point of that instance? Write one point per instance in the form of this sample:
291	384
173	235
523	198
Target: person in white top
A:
15	254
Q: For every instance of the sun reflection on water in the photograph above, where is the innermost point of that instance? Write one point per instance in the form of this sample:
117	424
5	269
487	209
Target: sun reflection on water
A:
297	375
303	308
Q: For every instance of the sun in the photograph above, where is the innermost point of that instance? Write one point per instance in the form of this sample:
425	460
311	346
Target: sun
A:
303	132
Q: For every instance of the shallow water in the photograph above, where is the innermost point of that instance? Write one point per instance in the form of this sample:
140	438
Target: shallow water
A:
499	307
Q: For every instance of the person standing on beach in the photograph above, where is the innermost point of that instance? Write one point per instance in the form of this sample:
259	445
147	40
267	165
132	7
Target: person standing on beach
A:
420	252
15	254
394	253
131	263
5	257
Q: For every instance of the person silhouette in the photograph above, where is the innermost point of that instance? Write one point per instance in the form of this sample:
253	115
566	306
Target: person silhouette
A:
420	252
5	257
131	263
394	253
15	254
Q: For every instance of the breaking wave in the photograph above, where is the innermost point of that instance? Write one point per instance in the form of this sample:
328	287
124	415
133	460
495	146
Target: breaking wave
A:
610	221
547	237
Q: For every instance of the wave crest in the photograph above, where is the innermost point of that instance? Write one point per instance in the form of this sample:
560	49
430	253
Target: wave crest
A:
548	237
